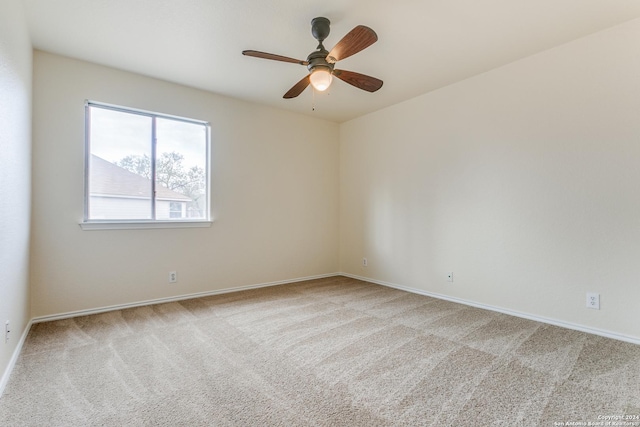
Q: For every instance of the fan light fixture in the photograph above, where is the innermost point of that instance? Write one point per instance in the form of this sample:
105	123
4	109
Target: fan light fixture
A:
321	62
320	78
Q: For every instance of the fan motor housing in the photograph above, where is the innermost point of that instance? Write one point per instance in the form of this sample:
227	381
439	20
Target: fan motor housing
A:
318	59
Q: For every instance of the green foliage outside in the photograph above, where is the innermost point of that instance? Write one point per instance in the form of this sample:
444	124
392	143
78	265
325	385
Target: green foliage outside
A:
172	174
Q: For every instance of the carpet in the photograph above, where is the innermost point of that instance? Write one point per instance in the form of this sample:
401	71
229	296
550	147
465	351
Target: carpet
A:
326	352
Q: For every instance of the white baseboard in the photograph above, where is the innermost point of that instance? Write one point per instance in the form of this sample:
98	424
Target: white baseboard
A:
556	322
90	311
14	358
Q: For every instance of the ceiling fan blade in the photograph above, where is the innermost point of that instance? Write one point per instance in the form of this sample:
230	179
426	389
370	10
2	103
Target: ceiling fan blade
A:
361	81
356	40
265	55
297	88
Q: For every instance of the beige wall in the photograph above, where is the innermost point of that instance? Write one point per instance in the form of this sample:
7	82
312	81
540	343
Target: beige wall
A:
15	176
523	181
274	196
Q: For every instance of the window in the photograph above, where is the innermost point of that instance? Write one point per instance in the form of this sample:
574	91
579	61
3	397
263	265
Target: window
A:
176	209
144	167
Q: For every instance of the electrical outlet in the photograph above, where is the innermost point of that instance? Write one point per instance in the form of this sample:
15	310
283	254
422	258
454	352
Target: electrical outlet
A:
450	276
365	262
593	300
6	331
173	276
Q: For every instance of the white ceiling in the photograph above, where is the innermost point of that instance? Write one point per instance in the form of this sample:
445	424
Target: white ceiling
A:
423	44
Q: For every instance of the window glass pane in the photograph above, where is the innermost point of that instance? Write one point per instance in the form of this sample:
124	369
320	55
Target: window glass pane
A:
119	165
181	169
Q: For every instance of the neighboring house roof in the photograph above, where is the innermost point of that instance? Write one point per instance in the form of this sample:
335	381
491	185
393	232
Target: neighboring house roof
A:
108	179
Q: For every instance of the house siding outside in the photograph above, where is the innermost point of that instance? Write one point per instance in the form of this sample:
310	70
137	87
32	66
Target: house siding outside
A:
116	193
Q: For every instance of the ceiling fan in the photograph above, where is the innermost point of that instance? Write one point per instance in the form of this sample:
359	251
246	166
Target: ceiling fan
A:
320	62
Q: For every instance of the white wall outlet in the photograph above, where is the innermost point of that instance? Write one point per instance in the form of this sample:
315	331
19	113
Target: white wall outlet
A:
365	262
593	300
6	331
173	276
450	276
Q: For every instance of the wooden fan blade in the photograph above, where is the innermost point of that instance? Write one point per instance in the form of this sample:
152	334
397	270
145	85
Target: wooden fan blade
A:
297	88
356	40
265	55
361	81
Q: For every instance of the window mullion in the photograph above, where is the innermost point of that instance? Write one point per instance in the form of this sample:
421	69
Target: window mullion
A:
153	167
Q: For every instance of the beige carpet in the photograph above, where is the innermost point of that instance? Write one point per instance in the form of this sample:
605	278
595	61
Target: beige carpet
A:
329	352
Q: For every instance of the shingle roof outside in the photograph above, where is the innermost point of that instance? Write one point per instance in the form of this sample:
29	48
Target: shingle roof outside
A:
108	179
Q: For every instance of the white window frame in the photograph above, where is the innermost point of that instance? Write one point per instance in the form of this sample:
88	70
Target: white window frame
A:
97	224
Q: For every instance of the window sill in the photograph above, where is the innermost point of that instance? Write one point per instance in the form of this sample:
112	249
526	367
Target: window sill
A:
142	225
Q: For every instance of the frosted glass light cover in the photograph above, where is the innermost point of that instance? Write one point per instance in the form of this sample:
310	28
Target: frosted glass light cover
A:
321	79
